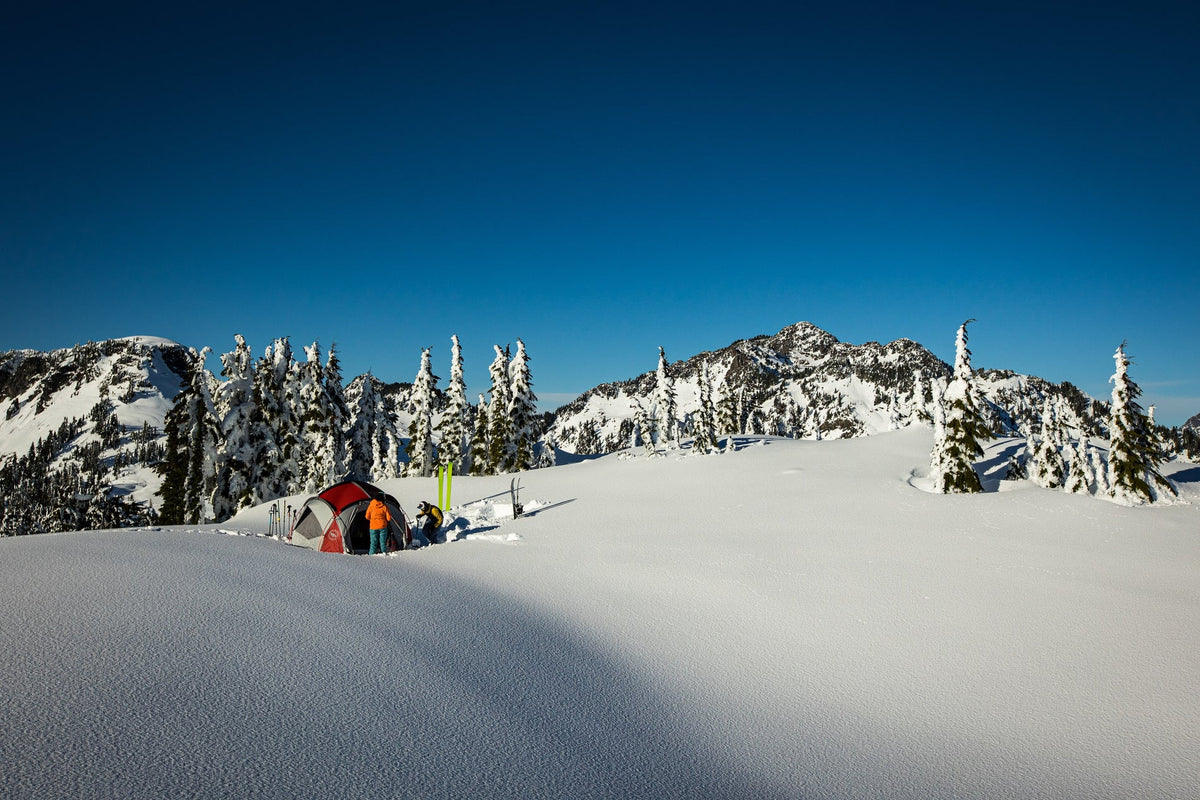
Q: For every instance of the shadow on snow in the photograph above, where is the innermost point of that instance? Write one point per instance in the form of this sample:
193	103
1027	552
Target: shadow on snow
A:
399	683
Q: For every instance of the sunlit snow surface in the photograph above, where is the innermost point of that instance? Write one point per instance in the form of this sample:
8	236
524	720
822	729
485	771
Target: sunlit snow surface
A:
796	619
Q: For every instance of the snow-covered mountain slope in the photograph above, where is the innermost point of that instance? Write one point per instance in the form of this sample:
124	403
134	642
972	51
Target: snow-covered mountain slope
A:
132	381
804	383
792	620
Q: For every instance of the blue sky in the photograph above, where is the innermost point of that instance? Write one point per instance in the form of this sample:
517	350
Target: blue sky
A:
603	178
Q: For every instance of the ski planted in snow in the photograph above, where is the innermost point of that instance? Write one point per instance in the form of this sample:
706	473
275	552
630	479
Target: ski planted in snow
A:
514	488
445	475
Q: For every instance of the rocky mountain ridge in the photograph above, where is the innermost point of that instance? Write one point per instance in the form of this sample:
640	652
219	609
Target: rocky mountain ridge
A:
802	382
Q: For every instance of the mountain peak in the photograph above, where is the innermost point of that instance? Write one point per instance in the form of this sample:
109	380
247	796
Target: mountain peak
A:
803	382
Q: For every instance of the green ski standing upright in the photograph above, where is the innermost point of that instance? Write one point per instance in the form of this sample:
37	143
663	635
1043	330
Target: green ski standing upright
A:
445	475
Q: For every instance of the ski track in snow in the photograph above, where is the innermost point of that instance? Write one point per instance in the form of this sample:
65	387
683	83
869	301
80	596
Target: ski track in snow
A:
794	620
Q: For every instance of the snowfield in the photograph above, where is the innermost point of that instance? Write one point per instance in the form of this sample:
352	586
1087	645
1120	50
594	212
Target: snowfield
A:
797	619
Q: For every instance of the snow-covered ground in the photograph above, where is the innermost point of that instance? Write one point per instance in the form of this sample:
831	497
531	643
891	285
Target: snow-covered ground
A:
794	620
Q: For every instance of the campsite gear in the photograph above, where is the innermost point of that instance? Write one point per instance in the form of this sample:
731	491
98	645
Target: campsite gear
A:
335	520
445	475
514	489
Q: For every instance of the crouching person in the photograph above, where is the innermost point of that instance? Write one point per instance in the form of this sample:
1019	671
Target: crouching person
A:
433	520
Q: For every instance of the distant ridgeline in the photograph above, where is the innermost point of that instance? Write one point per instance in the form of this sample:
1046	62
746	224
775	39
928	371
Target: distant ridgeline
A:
81	428
129	431
803	383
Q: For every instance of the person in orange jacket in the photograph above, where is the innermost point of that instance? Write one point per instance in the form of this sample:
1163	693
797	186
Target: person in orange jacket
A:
378	518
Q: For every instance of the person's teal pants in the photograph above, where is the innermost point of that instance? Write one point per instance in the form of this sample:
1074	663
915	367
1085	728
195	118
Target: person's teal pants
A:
378	541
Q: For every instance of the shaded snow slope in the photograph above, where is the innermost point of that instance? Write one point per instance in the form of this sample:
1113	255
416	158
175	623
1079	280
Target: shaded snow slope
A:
793	620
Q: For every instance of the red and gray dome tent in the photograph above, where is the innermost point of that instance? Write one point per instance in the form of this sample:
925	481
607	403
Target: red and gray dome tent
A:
335	520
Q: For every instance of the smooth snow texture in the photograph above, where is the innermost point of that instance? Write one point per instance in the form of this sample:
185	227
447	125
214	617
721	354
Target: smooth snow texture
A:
793	620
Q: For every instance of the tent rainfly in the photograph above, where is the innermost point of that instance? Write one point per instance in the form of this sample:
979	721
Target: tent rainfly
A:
334	521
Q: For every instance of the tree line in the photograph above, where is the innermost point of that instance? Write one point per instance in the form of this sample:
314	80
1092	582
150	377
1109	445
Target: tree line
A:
43	493
277	426
1130	474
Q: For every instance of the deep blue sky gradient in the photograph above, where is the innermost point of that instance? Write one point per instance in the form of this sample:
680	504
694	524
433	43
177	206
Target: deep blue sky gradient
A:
602	178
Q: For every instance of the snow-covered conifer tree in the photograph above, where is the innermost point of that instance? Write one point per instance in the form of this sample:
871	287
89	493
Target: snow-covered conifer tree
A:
918	411
306	399
361	405
206	437
192	453
234	403
644	429
522	410
1099	471
726	413
1046	467
937	416
664	396
1017	468
547	454
420	446
478	452
1134	452
1166	444
1079	468
964	428
322	415
274	439
452	428
705	434
501	453
335	392
373	442
893	412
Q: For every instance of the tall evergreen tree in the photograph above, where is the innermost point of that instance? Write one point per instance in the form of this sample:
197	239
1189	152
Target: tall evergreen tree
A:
173	466
372	442
547	454
644	429
501	453
727	413
704	436
1099	471
1134	451
335	393
478	452
1079	467
918	410
234	401
522	410
274	437
452	428
321	444
664	395
420	446
1047	467
193	436
954	455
